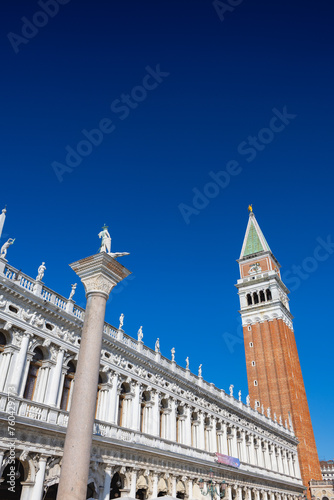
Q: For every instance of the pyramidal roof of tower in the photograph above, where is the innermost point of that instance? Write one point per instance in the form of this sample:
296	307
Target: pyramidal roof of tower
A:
254	240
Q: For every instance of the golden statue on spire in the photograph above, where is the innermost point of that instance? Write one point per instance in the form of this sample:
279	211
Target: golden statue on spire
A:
250	208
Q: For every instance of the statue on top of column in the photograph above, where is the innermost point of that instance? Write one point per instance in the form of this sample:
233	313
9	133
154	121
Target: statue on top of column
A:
106	244
173	353
248	400
239	395
157	345
231	389
140	334
200	370
187	363
41	271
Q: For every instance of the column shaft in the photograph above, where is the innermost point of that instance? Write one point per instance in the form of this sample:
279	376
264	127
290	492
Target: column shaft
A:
55	381
76	459
20	363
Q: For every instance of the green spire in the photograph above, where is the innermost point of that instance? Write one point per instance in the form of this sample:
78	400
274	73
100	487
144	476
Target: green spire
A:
254	240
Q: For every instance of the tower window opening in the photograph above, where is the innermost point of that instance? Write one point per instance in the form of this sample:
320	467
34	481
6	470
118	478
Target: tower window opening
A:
255	298
253	363
249	328
249	299
255	382
251	344
262	297
268	294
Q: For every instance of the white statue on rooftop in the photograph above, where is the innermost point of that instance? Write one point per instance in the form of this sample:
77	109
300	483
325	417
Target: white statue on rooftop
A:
200	371
231	389
121	321
140	334
41	271
72	291
187	363
5	246
157	345
106	244
262	409
173	353
280	420
268	412
239	395
248	400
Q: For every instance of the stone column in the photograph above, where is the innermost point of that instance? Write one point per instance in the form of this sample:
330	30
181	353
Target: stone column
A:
172	421
224	450
20	363
243	446
190	489
156	413
155	486
114	400
266	455
55	381
213	435
107	482
5	362
42	382
187	410
133	483
239	493
228	492
201	438
136	406
37	492
99	274
174	486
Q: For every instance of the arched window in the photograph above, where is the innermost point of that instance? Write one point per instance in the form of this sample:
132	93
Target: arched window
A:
163	418
179	424
249	299
268	294
34	367
262	297
115	486
68	382
3	341
255	298
5	482
122	409
144	412
194	429
207	433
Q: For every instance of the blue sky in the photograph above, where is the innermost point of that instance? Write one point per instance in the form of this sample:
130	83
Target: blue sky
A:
220	80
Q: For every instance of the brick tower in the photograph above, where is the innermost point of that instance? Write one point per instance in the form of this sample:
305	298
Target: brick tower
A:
273	370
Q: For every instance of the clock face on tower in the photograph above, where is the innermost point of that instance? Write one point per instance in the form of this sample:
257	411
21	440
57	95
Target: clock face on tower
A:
255	268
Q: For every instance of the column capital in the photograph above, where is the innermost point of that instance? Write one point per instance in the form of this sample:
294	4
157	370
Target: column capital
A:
99	273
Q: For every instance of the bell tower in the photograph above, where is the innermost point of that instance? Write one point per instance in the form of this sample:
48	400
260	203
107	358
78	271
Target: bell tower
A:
273	369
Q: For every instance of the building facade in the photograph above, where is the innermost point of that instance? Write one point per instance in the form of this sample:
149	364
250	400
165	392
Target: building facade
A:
274	374
158	430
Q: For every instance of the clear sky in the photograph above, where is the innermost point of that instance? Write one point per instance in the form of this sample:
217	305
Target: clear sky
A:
181	92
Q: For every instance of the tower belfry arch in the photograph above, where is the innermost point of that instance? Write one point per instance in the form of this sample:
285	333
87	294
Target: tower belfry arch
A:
274	373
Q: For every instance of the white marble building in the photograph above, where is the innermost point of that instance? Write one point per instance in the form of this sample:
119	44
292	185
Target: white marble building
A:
158	426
